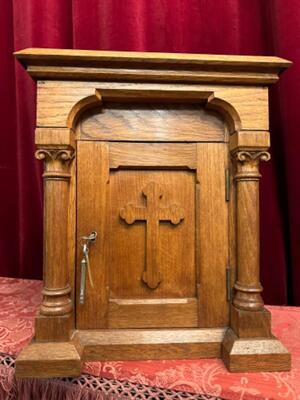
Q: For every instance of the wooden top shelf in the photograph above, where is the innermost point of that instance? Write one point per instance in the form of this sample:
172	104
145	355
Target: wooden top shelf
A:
62	64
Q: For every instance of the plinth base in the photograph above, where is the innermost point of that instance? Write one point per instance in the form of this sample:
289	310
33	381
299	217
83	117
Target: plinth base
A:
254	354
54	359
44	360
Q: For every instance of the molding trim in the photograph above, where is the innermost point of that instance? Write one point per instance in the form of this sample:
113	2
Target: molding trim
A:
170	95
151	67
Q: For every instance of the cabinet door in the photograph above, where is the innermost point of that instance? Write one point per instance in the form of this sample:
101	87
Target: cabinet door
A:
162	221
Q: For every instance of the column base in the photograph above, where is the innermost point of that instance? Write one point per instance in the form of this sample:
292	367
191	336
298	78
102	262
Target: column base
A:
54	329
254	354
250	324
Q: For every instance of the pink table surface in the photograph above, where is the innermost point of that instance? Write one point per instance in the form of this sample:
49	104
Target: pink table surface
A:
19	302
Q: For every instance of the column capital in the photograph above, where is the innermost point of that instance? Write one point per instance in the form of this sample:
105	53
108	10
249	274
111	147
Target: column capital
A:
250	156
57	161
247	163
55	154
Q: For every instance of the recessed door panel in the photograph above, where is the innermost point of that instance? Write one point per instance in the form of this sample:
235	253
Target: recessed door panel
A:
152	221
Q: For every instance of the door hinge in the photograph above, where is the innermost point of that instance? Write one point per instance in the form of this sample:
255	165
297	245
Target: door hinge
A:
228	284
227	184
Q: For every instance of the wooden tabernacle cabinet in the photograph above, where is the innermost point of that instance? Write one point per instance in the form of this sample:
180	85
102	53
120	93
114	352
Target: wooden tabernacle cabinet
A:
159	155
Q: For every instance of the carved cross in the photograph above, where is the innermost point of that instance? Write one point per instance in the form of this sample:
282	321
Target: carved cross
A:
152	214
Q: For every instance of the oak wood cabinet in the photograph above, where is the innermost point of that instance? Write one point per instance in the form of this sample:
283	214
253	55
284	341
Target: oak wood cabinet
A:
159	155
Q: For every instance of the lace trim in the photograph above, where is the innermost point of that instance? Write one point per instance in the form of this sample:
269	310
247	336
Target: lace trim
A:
113	388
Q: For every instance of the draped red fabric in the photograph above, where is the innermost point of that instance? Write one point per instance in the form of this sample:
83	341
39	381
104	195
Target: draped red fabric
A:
258	27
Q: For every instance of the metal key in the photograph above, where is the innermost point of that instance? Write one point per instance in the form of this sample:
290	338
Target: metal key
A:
85	242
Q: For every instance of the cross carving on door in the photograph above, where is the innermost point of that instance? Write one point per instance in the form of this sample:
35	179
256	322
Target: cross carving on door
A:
152	214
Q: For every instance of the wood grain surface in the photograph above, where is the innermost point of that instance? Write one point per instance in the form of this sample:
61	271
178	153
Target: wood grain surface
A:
159	153
56	99
150	344
212	234
87	64
152	122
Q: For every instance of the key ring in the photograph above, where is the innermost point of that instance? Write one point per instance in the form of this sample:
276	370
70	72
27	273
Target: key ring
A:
90	238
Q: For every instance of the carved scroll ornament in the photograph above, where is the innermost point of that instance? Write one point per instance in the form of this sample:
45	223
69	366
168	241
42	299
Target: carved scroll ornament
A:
250	156
247	163
55	154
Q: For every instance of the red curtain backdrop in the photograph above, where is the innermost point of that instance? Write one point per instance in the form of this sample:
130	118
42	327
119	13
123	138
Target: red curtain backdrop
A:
253	27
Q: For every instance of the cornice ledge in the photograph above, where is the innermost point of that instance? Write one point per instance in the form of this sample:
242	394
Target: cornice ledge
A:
150	67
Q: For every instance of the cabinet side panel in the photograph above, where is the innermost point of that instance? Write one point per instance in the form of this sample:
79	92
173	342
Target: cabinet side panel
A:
212	234
92	180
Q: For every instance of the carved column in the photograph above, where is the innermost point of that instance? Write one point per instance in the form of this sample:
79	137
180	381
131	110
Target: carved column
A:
248	287
57	289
